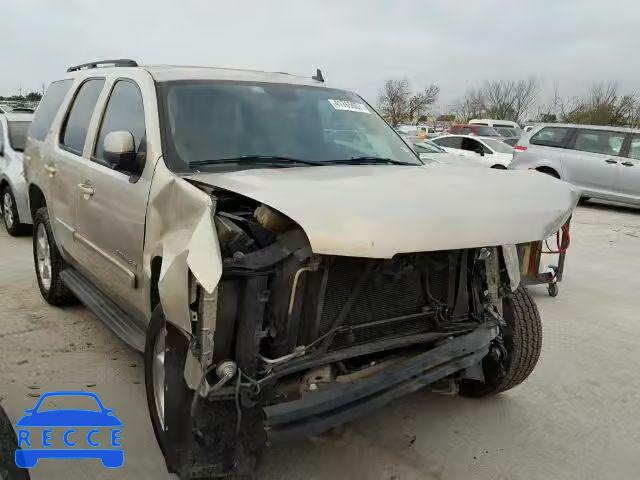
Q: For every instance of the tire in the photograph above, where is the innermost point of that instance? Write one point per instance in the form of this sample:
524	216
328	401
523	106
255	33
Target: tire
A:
52	290
10	215
8	445
522	337
207	446
177	395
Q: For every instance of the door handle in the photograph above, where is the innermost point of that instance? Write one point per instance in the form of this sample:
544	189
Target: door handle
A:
611	160
86	190
627	164
50	169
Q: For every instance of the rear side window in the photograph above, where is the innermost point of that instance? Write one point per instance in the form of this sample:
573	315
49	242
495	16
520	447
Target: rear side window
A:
449	142
18	134
75	129
48	108
124	112
599	141
550	137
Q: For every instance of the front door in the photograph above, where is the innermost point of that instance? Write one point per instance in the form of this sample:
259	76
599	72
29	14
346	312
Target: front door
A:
592	161
112	203
628	179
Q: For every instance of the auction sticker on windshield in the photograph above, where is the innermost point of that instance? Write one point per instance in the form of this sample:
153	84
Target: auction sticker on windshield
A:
349	106
53	430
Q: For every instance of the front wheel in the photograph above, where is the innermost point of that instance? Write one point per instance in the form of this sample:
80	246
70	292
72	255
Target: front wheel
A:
506	368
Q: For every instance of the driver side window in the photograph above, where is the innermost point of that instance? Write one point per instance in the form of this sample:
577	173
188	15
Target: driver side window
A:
124	112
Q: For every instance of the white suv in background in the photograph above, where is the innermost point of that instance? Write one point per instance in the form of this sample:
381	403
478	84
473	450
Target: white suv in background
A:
603	162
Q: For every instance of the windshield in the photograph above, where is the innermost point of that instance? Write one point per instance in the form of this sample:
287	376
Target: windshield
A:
18	134
209	121
427	147
498	146
485	131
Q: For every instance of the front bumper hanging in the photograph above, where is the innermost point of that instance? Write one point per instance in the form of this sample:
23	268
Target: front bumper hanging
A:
342	403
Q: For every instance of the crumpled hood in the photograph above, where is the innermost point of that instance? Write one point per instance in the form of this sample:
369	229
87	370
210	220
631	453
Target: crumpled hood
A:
379	211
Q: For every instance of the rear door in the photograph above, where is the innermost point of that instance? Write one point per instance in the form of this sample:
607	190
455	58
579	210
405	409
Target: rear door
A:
112	202
628	179
592	160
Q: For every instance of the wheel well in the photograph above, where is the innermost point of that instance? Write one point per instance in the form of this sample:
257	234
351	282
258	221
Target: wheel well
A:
36	200
154	294
497	166
548	171
3	183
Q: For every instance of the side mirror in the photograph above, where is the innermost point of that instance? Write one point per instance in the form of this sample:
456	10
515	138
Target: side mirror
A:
480	151
120	151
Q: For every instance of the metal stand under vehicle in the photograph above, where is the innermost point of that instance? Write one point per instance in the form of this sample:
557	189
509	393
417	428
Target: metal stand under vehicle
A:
530	256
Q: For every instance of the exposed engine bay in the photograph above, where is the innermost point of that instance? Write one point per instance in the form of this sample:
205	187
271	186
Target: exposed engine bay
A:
295	322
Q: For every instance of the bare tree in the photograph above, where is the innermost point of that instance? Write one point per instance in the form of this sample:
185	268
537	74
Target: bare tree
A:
398	104
604	105
420	102
393	99
510	99
472	105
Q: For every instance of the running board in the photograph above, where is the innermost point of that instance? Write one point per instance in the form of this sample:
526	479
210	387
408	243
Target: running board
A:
120	322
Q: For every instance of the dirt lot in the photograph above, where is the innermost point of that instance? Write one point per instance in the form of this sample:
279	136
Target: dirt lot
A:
576	417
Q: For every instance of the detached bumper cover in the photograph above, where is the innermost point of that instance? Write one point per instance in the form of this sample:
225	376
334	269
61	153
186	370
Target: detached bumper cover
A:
342	403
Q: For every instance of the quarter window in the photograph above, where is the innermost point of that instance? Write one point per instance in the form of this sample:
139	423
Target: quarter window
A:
47	109
550	137
77	124
124	112
599	141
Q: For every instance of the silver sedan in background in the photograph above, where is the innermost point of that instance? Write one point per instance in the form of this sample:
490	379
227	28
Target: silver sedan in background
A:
13	190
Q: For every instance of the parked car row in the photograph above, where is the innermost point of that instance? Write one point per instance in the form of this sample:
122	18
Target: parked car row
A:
282	258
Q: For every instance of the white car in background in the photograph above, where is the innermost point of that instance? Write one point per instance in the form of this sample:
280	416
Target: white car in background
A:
431	153
490	152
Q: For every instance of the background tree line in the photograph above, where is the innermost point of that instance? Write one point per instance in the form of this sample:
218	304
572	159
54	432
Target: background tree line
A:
515	100
29	97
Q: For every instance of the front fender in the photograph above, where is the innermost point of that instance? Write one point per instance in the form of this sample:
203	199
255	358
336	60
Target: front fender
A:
180	229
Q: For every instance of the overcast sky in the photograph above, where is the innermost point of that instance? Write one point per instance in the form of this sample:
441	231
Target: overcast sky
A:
357	43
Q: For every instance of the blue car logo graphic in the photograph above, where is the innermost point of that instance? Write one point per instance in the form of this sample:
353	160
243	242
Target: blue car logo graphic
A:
36	444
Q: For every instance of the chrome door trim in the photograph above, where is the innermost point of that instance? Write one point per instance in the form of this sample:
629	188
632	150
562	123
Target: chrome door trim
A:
89	244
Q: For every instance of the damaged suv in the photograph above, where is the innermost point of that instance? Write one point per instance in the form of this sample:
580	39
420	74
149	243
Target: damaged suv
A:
283	259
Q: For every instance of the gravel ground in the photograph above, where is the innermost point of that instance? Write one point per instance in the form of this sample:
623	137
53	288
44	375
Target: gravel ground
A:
576	417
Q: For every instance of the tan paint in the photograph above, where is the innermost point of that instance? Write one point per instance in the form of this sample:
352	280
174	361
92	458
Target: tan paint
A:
180	229
379	211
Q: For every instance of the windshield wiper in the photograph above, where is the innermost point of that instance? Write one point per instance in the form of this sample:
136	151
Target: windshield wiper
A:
368	161
258	160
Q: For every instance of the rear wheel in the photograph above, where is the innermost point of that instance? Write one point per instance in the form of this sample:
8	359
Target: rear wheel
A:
10	214
48	262
522	342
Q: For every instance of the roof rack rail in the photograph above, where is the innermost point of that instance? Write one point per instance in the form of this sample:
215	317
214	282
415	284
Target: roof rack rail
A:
122	62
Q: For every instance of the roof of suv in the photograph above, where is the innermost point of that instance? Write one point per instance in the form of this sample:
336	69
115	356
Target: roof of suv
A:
166	73
539	127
